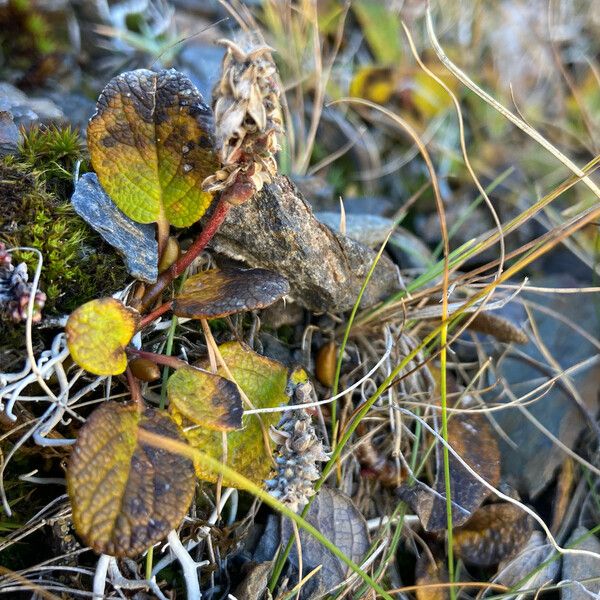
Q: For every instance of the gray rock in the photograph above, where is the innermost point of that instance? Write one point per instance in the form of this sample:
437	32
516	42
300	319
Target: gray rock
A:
529	464
77	107
409	251
9	134
28	111
202	64
578	568
318	191
277	230
382	206
369	230
134	241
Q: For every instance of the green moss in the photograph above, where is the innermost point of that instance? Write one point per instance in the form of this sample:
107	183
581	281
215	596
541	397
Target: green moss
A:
35	191
53	153
78	264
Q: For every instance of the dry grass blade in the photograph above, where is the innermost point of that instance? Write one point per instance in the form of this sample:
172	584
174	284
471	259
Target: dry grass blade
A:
520	123
413	383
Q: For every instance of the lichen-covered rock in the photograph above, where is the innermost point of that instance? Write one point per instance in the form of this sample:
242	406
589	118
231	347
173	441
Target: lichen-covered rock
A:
134	241
277	230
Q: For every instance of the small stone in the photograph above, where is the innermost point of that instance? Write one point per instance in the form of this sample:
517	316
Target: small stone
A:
9	134
578	568
277	230
28	111
134	241
369	230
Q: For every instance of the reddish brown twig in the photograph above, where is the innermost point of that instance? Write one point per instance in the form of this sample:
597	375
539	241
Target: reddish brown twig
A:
135	391
150	317
178	267
159	359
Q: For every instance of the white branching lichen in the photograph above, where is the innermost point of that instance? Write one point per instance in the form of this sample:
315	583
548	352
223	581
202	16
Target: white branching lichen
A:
247	122
60	394
298	454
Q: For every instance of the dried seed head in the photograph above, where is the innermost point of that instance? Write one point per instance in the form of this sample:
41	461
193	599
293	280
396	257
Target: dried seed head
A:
502	329
5	257
298	454
15	290
247	121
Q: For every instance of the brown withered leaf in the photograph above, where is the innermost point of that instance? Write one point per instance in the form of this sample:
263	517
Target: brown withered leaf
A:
205	399
220	292
494	533
471	437
578	568
428	573
563	494
336	516
530	568
255	581
126	495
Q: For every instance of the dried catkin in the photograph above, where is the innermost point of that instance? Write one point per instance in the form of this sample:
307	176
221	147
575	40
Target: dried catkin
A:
15	290
298	454
247	121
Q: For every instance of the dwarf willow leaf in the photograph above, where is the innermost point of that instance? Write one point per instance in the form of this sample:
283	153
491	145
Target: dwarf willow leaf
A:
151	145
97	333
126	495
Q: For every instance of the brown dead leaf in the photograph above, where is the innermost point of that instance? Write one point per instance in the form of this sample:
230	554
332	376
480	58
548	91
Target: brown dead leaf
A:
494	533
221	292
499	327
428	572
471	437
562	497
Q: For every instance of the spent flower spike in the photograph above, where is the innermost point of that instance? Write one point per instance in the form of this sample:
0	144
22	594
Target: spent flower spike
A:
247	121
298	454
15	290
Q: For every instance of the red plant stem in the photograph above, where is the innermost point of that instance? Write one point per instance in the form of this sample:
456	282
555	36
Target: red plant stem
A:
179	266
159	359
161	310
135	391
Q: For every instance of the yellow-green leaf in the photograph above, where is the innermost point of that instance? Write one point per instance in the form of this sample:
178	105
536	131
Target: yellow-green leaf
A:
97	333
429	97
381	27
205	399
126	496
220	292
264	381
376	84
151	145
